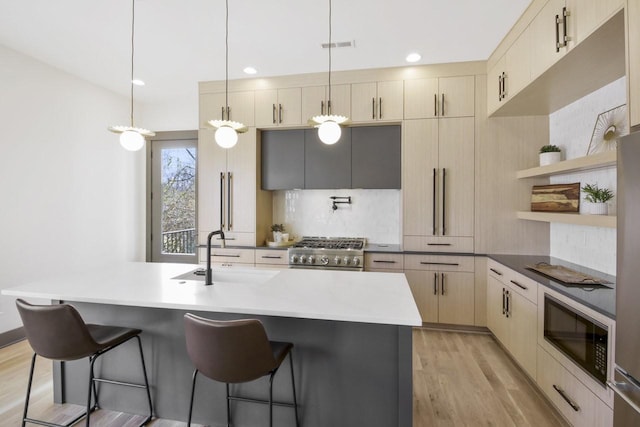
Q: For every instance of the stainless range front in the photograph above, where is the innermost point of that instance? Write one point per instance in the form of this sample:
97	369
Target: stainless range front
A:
328	253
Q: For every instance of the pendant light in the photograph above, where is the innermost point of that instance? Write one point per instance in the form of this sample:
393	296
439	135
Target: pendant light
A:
226	135
132	138
328	125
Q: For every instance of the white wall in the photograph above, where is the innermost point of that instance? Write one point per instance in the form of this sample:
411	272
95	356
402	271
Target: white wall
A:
373	214
179	113
570	128
72	198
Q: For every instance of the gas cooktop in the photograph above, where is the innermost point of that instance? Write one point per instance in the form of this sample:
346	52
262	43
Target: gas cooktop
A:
354	243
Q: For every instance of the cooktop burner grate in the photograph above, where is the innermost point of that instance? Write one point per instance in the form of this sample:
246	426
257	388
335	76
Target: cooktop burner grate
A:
330	243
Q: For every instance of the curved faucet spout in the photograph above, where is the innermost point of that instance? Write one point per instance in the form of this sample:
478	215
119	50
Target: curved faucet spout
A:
209	275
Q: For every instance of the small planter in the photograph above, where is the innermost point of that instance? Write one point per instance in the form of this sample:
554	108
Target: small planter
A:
550	158
277	236
597	208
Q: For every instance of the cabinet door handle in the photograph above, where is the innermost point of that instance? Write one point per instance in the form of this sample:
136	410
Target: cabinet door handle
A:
499	87
271	257
227	256
442	109
280	113
508	303
228	113
221	200
380	109
442	283
566	398
557	33
444	201
438	244
329	107
504	85
222	113
229	212
435	283
435	178
273	114
519	285
383	261
496	271
504	303
435	105
439	263
373	108
565	38
322	107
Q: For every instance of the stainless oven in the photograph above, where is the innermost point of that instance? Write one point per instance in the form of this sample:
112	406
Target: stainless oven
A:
328	253
579	337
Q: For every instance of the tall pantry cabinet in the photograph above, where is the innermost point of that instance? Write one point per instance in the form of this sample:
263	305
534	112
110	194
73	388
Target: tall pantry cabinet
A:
438	167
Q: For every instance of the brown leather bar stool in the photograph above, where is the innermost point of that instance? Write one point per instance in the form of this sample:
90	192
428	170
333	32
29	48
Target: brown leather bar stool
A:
235	351
57	332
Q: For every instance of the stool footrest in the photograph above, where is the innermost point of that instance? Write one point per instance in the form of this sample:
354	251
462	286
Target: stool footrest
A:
247	399
102	380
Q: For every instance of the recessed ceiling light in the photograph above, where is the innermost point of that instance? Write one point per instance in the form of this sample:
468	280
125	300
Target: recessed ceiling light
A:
250	70
137	82
413	57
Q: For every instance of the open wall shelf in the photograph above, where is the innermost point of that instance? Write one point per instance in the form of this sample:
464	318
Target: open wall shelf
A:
594	161
570	218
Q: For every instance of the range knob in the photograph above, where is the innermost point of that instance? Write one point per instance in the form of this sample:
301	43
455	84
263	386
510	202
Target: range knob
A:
337	260
294	259
346	260
303	259
324	260
311	259
356	261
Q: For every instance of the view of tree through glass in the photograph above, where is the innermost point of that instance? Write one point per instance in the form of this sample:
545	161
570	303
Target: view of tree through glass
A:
178	179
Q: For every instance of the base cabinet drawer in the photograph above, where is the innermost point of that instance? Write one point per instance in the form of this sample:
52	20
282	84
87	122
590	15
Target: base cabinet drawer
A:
438	244
572	398
271	257
228	256
383	262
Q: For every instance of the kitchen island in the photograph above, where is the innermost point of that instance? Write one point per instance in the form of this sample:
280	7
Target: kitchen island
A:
351	333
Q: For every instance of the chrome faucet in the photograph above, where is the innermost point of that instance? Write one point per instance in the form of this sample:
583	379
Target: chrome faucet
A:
209	275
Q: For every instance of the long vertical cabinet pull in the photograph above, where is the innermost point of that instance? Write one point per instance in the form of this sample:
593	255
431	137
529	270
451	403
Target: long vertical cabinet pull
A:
508	305
322	107
444	201
229	212
435	105
329	107
221	200
433	201
441	283
222	113
273	114
499	87
504	303
565	37
380	109
442	109
279	113
373	108
228	113
435	283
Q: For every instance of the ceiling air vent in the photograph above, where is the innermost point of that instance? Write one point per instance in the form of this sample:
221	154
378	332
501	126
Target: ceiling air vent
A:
339	44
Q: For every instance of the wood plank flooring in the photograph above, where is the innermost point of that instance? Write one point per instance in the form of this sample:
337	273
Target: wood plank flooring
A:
460	379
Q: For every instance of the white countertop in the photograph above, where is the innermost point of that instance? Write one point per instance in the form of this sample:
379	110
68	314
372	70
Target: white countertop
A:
366	297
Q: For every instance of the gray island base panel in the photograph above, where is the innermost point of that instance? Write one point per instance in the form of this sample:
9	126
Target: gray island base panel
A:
347	373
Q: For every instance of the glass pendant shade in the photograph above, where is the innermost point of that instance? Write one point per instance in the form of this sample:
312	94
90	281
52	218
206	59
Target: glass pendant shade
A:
131	140
329	132
226	137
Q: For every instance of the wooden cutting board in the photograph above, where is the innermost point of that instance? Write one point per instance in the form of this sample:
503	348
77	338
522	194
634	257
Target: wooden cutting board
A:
555	198
566	275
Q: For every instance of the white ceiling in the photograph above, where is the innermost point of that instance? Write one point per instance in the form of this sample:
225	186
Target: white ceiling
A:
181	42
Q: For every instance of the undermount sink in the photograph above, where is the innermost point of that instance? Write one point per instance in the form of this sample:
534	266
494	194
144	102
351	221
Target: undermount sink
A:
229	276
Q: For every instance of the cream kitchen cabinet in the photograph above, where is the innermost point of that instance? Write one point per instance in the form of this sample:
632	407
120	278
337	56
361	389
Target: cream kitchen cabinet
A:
227	188
512	313
438	179
550	30
315	101
633	62
439	97
381	101
383	262
278	107
272	258
496	85
213	107
443	287
587	15
228	257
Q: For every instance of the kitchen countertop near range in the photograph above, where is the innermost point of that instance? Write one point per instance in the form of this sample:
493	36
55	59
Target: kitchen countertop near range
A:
599	298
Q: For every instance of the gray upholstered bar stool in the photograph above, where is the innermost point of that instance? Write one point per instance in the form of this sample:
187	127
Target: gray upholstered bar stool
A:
235	351
57	332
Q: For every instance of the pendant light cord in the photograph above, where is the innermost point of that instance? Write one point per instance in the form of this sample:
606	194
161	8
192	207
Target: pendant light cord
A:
329	99
133	26
226	59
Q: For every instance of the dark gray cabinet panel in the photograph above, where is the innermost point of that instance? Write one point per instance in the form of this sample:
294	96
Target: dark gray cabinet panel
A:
283	159
375	158
327	166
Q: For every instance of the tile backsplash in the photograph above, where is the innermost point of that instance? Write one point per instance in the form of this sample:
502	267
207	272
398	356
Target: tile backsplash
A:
570	128
373	214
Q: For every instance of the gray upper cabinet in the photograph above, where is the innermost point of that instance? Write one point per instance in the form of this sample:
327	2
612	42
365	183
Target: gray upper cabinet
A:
327	166
283	159
375	157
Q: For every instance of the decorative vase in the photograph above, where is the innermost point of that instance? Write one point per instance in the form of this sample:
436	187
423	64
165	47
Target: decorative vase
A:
550	158
277	236
597	208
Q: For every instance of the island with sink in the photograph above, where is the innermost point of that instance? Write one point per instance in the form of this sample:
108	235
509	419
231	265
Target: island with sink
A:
352	335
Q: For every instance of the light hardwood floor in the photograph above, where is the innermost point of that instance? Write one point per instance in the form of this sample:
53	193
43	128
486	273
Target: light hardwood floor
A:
459	379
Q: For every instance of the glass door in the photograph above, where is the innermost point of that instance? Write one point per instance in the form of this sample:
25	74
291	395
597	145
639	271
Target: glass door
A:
173	201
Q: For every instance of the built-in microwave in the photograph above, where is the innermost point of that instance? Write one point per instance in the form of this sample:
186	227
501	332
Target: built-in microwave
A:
580	338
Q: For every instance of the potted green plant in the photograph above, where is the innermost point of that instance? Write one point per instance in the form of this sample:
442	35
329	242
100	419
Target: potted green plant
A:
550	154
278	230
597	198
